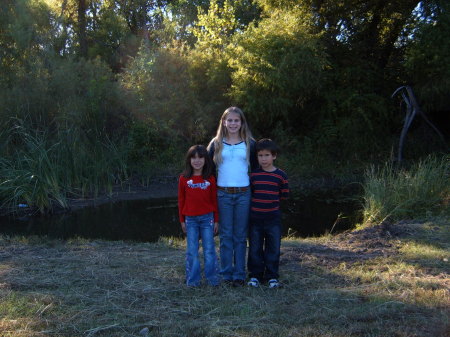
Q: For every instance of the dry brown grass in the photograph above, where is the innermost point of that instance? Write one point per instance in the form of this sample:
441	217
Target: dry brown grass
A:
373	282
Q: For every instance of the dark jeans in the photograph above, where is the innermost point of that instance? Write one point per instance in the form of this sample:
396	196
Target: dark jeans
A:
264	251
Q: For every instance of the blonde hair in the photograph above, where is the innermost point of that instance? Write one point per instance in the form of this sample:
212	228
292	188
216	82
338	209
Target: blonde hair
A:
222	132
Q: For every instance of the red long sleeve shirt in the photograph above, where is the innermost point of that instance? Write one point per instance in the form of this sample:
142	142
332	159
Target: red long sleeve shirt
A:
197	196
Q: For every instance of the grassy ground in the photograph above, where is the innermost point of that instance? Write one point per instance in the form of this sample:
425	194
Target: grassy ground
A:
387	280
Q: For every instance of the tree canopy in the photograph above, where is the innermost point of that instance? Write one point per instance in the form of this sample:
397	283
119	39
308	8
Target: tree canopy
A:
317	75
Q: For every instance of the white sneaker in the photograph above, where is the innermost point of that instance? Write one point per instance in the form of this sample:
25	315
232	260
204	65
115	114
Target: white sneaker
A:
253	282
273	283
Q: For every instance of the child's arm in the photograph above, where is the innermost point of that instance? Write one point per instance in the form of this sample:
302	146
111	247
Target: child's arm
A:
285	188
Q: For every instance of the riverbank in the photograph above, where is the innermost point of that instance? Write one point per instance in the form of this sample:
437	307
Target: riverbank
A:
386	280
158	188
166	187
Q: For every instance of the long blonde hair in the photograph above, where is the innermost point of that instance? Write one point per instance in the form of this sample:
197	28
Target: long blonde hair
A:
222	132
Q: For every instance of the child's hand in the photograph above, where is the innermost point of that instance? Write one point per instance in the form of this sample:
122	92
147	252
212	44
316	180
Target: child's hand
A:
216	227
183	227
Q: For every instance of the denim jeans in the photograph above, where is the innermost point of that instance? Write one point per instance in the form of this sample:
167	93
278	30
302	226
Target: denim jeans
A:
264	248
233	230
201	226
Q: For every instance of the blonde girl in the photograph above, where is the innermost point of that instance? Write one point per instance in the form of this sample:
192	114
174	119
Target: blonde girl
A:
233	153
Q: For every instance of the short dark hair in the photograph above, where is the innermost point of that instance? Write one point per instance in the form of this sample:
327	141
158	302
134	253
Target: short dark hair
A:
267	144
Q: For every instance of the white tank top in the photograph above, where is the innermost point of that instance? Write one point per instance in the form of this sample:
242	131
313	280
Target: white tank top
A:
233	171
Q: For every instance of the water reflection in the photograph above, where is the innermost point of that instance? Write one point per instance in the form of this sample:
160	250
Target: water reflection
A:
147	220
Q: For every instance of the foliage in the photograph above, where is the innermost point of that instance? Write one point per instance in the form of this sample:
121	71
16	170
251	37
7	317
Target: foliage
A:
86	95
422	190
42	170
209	61
152	148
159	92
29	177
215	27
316	75
264	61
427	60
352	125
110	38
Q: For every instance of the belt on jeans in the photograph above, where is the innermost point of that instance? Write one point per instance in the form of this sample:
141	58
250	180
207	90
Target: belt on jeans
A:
233	190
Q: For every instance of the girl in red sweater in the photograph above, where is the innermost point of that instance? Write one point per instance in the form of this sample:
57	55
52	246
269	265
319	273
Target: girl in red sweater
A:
197	209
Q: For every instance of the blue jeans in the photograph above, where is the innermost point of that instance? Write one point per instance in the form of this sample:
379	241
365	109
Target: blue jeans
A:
233	230
264	248
201	226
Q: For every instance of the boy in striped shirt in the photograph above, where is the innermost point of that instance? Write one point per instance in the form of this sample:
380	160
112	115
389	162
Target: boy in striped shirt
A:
269	184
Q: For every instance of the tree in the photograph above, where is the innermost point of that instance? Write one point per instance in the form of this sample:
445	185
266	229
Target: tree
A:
277	66
209	60
82	7
428	57
26	49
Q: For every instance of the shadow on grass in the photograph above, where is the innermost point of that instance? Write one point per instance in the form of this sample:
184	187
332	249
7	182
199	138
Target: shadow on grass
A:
97	288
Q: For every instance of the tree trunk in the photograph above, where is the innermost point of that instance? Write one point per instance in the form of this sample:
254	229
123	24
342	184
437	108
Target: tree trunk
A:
82	39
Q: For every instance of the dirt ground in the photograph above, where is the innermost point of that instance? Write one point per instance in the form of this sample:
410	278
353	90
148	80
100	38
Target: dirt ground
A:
348	247
379	241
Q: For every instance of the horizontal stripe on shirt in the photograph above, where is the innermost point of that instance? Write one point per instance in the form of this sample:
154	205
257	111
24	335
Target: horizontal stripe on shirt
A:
265	210
268	188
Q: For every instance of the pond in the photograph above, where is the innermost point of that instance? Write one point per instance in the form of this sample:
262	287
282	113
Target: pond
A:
148	220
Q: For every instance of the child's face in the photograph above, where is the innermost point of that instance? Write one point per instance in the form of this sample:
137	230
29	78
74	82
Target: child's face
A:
232	122
197	164
265	160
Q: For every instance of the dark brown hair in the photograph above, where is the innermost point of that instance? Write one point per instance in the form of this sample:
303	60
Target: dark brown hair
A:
267	144
201	151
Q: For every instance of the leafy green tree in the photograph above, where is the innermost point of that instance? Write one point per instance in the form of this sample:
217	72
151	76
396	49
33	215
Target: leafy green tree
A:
87	97
40	85
277	66
428	57
215	27
158	90
364	41
110	39
111	29
209	61
26	48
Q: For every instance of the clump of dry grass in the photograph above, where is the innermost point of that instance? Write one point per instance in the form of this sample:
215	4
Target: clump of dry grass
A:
331	288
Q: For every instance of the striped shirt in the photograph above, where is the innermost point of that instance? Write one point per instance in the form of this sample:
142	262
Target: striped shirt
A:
267	190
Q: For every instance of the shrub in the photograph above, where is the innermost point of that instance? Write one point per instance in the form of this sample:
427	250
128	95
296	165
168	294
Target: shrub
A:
42	169
422	190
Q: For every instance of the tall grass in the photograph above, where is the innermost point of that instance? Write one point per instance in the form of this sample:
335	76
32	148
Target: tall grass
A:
89	163
43	170
421	190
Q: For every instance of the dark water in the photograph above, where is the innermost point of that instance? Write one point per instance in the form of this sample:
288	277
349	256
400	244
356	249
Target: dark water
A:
147	220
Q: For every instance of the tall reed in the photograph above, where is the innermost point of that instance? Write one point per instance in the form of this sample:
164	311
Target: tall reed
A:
28	176
42	170
421	190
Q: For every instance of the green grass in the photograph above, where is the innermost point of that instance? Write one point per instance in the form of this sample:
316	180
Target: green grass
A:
42	171
332	287
420	191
